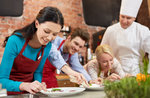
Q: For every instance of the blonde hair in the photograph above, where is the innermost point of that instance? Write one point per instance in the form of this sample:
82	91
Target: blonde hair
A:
103	49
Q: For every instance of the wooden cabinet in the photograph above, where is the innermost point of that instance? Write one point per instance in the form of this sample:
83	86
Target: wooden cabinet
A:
64	81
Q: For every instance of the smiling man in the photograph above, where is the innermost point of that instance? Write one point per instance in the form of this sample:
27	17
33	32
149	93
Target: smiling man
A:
69	49
129	40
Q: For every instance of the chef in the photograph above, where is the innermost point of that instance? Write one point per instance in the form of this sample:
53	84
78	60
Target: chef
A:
128	39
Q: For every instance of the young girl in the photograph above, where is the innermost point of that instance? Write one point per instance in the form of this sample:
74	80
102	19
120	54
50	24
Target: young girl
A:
26	52
105	66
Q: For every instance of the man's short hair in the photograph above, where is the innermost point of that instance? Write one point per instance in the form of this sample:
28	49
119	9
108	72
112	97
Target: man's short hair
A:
82	33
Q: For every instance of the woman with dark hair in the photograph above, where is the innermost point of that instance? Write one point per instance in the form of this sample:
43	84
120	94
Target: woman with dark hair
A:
26	52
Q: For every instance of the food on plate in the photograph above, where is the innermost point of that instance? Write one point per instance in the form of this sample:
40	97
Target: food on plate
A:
59	90
96	85
55	90
72	90
62	91
90	84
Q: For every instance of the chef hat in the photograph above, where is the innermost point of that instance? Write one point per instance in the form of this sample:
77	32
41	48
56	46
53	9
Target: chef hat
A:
130	7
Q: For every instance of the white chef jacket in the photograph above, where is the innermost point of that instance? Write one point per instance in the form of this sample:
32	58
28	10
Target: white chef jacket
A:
128	45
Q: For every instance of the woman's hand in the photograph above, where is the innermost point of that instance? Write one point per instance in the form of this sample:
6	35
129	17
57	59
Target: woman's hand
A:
97	81
128	75
32	87
113	77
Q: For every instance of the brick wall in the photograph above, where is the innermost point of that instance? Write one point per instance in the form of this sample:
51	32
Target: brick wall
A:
71	9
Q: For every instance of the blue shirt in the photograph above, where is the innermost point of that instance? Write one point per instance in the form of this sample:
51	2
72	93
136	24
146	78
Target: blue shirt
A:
12	49
56	60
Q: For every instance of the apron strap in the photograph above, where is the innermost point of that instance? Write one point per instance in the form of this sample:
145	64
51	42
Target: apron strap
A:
60	47
42	49
38	55
26	43
69	58
61	44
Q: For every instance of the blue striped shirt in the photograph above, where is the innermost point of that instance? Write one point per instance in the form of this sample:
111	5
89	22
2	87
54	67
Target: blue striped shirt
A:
56	60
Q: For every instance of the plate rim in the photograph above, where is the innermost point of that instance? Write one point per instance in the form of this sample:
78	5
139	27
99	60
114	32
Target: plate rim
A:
81	89
94	88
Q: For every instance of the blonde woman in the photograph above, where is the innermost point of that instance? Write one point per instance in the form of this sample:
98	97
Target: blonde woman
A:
105	66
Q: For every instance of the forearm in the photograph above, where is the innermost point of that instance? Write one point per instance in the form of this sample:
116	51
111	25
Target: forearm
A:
84	72
9	55
67	69
56	59
38	76
10	85
76	66
39	71
87	76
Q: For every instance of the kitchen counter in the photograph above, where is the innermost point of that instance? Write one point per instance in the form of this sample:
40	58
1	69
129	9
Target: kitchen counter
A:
85	94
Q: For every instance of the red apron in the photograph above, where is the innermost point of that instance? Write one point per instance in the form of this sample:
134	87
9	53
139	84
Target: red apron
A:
24	68
49	72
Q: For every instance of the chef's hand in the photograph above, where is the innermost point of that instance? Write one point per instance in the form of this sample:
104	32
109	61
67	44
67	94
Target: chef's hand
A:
113	77
32	87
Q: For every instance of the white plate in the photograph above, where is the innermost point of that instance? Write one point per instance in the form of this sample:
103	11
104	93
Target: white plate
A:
95	87
65	91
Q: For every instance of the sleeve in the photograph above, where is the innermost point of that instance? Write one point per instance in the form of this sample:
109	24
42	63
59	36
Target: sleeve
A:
105	39
146	43
38	73
55	58
118	69
91	69
75	65
9	55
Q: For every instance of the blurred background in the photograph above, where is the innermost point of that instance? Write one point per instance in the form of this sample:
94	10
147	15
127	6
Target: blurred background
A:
93	15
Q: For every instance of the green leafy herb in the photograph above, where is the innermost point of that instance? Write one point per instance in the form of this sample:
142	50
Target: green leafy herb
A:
130	87
90	84
56	89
